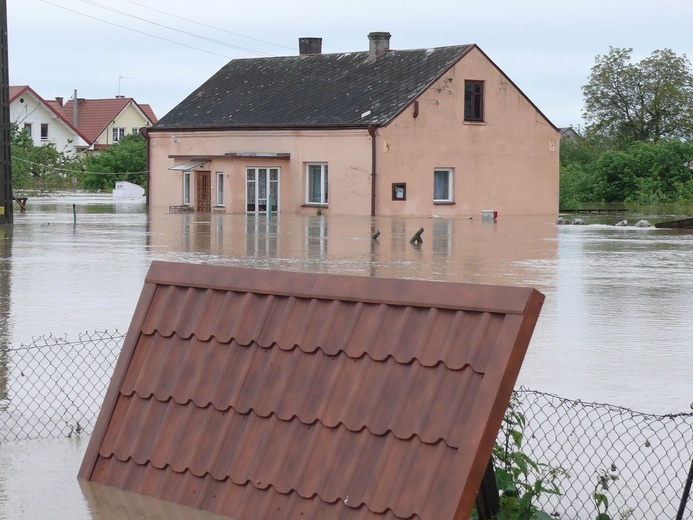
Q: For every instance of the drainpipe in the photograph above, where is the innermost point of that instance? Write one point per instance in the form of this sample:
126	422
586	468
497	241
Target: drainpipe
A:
371	131
145	133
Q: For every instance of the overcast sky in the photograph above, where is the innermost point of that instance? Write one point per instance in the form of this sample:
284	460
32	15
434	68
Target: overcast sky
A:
159	51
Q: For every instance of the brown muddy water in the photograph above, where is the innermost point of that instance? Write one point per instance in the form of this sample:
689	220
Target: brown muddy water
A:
615	327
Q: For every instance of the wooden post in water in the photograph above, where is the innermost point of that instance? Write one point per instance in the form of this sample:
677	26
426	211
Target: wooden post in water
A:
416	239
6	198
74	214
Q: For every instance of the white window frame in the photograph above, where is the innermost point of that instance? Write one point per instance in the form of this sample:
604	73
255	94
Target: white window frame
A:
135	131
118	133
272	185
220	188
186	188
322	197
28	129
44	132
448	172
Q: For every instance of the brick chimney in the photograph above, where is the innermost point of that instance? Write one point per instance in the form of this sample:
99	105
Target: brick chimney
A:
379	43
59	100
309	46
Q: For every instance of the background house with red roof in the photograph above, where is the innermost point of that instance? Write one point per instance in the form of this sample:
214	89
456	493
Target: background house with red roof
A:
43	121
90	125
105	121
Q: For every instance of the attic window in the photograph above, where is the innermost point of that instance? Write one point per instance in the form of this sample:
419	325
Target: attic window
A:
118	134
473	100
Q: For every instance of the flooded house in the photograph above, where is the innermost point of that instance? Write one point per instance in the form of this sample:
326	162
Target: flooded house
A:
420	132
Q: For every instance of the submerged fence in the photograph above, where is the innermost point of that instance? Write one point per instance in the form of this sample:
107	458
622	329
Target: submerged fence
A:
640	462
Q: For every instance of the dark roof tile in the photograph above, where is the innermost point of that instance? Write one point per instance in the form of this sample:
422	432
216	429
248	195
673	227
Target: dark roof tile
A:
315	90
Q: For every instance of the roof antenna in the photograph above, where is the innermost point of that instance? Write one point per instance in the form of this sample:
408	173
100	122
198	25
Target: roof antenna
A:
120	78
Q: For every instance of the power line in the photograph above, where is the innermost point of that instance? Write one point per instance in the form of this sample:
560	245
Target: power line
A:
136	31
368	77
69	170
210	26
193	35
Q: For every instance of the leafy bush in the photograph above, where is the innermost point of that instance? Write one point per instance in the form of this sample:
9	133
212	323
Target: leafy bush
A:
641	173
40	168
126	160
521	480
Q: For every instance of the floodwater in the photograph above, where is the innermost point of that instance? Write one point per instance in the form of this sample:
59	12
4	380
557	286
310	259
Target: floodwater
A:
615	327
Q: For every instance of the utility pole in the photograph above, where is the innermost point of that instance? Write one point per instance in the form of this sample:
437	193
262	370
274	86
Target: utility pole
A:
6	199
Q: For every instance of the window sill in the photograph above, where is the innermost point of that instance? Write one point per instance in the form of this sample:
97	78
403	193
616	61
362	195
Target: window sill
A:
314	205
474	123
443	203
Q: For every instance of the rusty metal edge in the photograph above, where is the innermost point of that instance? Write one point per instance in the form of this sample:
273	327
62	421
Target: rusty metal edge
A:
104	418
490	406
391	291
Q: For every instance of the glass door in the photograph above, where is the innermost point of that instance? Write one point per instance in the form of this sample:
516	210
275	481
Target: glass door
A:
262	190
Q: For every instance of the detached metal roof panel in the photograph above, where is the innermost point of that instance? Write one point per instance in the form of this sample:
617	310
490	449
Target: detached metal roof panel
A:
261	394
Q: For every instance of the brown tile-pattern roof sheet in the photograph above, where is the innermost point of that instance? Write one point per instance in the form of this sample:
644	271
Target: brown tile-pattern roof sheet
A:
260	394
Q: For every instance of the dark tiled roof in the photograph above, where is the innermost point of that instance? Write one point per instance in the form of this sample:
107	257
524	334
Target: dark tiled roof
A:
260	394
314	90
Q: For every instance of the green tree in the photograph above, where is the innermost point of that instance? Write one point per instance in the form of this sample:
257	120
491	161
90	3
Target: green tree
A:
645	101
126	160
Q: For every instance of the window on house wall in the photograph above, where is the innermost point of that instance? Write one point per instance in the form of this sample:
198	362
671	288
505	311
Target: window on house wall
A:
317	185
27	129
186	187
473	100
118	134
262	189
44	131
135	131
442	185
220	188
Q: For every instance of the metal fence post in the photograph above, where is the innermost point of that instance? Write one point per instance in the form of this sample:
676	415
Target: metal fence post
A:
686	491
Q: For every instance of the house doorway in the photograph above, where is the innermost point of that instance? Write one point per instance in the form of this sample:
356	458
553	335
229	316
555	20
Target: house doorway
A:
262	190
203	185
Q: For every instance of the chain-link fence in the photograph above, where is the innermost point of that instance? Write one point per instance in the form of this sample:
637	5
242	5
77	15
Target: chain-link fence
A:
638	462
55	387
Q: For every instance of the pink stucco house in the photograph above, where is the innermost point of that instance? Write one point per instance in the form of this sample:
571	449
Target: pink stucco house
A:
440	131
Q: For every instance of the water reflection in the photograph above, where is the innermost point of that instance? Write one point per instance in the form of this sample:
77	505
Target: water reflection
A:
105	501
616	298
614	327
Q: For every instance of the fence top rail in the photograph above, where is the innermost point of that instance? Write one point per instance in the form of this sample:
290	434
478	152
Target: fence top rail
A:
565	402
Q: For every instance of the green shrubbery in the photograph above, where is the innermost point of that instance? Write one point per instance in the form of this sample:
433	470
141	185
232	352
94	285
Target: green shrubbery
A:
646	173
46	169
